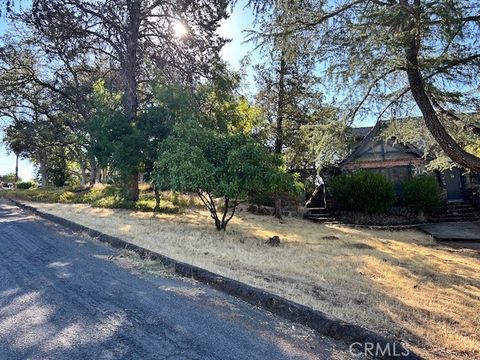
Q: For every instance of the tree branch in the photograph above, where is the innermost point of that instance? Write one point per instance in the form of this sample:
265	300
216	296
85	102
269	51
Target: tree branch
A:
456	120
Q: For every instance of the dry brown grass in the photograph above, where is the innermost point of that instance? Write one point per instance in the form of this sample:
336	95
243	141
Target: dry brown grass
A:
398	283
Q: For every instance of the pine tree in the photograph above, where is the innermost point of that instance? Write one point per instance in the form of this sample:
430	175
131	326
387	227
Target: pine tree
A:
389	58
289	88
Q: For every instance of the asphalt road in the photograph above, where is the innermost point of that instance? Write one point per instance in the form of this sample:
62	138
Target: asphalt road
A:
64	296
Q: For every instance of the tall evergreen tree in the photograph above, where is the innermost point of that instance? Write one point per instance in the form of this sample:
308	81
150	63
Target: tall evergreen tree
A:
289	88
389	57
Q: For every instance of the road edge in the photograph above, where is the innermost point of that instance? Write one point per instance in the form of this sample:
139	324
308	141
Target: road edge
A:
362	338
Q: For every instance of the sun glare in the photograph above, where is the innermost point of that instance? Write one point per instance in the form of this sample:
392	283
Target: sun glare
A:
180	29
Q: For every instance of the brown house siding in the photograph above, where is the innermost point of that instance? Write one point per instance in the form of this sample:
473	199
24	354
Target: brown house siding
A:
354	165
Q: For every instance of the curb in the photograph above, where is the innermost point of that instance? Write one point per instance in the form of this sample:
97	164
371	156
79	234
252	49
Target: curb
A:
364	340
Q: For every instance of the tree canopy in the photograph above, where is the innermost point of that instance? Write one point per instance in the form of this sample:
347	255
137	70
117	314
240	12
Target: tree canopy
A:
389	58
95	89
219	165
64	47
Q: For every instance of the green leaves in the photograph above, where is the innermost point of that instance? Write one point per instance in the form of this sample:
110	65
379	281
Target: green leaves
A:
219	165
182	167
363	191
422	193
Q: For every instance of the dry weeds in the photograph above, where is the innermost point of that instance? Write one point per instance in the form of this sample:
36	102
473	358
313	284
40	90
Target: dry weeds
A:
398	283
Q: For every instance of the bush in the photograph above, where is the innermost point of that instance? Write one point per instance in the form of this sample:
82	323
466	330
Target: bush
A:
67	197
422	193
363	191
216	166
25	185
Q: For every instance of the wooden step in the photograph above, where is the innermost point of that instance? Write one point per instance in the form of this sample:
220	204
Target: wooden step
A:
454	212
454	219
458	206
321	219
465	214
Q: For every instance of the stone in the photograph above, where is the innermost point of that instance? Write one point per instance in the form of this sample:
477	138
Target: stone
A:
330	237
274	241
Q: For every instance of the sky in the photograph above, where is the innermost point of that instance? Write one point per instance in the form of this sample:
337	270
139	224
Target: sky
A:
233	28
7	161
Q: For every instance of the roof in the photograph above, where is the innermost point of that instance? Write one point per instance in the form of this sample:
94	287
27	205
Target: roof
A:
361	132
365	134
372	132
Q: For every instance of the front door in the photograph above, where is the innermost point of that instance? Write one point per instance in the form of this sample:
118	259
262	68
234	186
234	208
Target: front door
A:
453	184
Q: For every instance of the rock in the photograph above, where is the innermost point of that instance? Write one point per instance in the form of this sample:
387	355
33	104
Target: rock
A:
274	241
330	237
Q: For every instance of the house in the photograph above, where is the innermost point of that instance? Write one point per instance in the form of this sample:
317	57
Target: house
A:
398	162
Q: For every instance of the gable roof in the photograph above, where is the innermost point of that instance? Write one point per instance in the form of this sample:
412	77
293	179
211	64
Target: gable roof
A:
366	135
374	131
360	132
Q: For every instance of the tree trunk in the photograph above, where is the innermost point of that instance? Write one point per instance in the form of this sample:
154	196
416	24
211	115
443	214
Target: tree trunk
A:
130	65
105	175
132	187
280	105
157	198
278	207
83	169
93	171
279	124
98	175
16	171
432	122
130	59
43	172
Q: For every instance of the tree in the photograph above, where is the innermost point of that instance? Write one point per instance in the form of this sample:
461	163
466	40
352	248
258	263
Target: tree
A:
34	59
57	89
387	55
324	143
38	127
135	36
172	104
289	93
219	165
7	6
220	104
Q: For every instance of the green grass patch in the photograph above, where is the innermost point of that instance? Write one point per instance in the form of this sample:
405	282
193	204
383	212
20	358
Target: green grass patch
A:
106	197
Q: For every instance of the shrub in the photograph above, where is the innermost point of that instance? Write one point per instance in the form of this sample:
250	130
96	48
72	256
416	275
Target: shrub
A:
216	165
25	185
422	193
67	197
363	191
